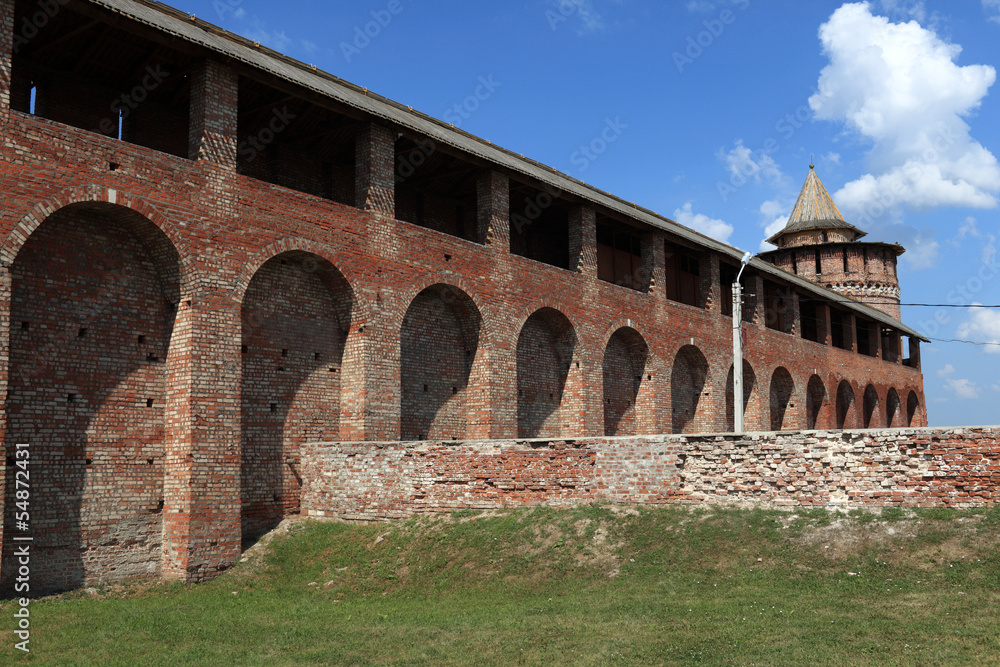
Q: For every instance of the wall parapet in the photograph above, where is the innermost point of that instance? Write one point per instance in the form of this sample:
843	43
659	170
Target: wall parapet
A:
924	467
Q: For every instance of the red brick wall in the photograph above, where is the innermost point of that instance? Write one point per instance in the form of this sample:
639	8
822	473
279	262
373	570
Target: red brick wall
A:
398	304
295	319
902	468
439	345
91	325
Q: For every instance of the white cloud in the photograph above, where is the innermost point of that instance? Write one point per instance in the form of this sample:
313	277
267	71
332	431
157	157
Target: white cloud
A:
742	163
969	229
992	9
990	251
897	85
961	387
775	214
278	41
905	9
583	10
921	249
983	326
717	229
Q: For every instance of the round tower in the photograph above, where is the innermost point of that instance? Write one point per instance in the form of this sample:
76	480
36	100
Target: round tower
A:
819	245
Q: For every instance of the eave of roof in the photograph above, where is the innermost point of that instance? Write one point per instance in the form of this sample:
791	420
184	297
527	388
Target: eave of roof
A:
895	247
195	31
814	209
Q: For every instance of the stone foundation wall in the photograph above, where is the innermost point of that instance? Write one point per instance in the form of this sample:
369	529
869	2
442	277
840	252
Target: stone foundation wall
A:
957	467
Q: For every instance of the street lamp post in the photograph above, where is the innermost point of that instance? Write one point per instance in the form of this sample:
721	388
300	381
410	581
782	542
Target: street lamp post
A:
738	347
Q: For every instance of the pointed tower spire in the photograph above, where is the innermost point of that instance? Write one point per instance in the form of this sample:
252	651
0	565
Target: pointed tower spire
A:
815	211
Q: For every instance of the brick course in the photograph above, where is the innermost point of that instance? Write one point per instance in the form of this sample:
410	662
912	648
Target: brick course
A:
346	312
849	469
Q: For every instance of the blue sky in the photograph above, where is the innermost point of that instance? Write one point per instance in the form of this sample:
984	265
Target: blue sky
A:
708	112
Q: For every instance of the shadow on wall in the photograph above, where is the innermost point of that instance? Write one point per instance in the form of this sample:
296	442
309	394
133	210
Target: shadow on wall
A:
295	321
94	297
690	414
751	407
545	350
439	342
628	400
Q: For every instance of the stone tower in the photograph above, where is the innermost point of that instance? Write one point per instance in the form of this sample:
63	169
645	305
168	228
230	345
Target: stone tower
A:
818	244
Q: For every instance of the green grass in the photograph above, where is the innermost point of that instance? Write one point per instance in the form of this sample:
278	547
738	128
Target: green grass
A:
593	585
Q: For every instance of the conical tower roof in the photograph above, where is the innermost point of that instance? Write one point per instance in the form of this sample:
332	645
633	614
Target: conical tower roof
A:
814	210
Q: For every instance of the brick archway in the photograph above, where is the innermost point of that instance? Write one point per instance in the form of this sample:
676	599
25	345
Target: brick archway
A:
104	359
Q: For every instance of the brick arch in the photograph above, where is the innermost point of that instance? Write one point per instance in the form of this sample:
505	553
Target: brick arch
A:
187	273
107	448
781	393
629	396
541	304
550	392
870	416
893	412
405	300
847	408
320	250
751	398
443	367
301	374
816	402
689	377
914	410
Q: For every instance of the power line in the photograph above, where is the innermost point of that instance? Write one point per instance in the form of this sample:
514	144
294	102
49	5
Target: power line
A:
959	340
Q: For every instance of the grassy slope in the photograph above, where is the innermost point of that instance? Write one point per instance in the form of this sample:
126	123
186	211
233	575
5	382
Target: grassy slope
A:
590	585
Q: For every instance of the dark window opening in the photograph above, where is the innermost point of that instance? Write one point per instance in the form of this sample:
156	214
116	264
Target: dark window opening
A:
890	345
838	324
795	263
539	225
865	330
810	320
619	254
683	271
435	189
293	143
104	75
775	305
819	264
845	260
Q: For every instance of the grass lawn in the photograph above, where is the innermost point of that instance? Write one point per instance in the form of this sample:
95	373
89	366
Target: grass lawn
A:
593	585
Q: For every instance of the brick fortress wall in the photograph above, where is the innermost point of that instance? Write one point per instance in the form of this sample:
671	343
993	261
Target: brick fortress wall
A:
958	467
176	325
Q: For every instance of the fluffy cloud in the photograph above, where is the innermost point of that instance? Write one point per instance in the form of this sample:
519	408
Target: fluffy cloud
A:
699	222
983	326
992	9
775	216
742	164
987	241
961	387
905	9
897	85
